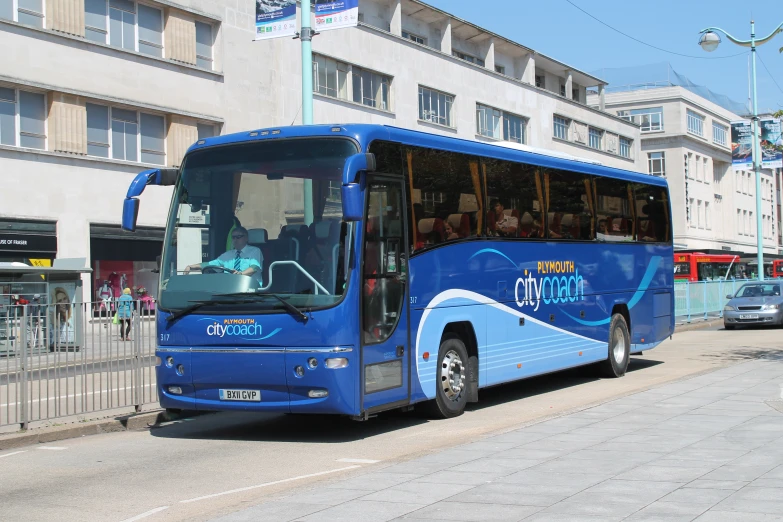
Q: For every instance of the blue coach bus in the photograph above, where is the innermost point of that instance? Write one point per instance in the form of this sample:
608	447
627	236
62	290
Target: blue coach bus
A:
383	267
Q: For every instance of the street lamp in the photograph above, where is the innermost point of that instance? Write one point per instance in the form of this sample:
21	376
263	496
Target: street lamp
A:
709	41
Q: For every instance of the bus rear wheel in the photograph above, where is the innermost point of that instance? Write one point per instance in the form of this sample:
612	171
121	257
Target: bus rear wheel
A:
451	379
616	362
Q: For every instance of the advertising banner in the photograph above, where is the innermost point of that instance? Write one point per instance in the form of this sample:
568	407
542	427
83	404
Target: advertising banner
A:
336	14
275	18
771	144
741	145
63	297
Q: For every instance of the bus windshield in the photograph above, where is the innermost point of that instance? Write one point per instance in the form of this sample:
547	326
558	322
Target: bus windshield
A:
263	218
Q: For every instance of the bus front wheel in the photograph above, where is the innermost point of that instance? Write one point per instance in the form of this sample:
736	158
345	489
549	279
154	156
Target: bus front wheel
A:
451	394
616	362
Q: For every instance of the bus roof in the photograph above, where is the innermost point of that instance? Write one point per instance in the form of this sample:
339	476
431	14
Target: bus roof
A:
364	134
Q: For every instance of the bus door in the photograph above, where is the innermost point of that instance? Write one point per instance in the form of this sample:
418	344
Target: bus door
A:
386	355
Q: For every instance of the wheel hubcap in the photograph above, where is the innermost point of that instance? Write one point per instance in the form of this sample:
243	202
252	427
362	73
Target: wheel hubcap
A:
452	375
618	349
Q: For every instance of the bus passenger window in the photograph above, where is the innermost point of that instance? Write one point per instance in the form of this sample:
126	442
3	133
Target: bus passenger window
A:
614	210
569	204
652	211
514	199
445	196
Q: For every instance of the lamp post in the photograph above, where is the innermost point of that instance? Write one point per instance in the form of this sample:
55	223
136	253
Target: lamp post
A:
709	41
306	35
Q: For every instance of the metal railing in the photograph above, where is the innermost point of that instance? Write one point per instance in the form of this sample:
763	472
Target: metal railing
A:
703	299
64	360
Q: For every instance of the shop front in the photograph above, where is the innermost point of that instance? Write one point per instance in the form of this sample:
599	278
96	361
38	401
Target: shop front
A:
33	243
122	260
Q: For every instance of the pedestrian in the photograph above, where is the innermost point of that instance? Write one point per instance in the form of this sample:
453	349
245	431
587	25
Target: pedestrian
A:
124	313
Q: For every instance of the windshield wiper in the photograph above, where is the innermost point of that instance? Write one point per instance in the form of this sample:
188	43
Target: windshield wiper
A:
252	297
198	304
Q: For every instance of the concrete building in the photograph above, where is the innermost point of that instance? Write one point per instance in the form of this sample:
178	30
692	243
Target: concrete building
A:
686	137
94	91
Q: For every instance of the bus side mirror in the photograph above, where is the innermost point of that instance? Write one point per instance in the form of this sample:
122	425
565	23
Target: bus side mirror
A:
351	191
130	211
353	202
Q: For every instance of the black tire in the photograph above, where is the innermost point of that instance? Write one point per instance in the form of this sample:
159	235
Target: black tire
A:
728	326
616	362
452	356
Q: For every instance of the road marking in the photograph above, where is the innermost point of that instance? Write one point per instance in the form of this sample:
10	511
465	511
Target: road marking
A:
52	448
248	488
146	514
9	454
359	461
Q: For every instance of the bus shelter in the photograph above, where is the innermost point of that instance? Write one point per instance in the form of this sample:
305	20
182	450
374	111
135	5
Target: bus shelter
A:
41	306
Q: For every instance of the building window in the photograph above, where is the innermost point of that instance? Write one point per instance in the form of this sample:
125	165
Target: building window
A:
698	168
699	214
115	22
540	82
414	38
596	136
330	77
500	125
371	89
562	90
489	121
28	12
29	110
751	224
97	130
719	134
649	119
740	228
656	163
689	213
135	136
150	31
500	69
467	58
704	175
514	127
560	126
205	130
436	107
707	220
204	45
625	147
695	123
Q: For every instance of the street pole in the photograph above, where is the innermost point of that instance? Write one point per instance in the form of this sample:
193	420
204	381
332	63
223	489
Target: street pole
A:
307	97
756	155
709	41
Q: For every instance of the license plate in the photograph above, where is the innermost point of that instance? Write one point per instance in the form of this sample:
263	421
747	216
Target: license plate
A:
749	316
240	395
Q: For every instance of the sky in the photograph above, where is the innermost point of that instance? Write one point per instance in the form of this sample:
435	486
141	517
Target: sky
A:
559	30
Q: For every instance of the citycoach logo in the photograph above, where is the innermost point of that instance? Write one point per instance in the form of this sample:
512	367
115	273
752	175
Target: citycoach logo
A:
565	285
247	329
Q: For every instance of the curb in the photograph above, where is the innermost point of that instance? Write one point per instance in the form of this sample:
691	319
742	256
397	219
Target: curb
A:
131	422
695	325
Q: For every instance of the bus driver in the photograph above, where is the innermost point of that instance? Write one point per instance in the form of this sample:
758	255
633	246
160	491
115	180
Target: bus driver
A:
243	259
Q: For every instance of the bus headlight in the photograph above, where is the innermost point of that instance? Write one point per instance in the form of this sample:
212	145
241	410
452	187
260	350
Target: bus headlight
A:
337	362
728	308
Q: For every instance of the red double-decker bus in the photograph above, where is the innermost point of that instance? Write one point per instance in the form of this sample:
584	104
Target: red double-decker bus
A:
777	268
697	266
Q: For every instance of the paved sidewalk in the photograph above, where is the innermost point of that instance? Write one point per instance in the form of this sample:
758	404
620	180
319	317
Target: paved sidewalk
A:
708	448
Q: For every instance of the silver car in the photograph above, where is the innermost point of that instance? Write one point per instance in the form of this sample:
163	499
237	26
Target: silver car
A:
755	303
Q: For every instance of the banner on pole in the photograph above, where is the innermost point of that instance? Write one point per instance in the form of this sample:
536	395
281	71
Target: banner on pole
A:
275	18
336	14
741	145
771	144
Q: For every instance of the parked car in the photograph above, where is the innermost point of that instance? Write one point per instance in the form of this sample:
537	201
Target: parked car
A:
755	303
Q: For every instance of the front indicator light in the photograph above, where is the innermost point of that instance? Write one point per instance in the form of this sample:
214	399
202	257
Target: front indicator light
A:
317	394
180	370
175	390
337	362
170	361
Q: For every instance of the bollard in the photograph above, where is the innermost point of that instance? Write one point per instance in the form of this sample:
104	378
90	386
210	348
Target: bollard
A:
22	384
705	300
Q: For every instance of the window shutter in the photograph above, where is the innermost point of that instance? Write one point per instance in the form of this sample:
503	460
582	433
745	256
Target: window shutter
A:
180	38
68	124
65	16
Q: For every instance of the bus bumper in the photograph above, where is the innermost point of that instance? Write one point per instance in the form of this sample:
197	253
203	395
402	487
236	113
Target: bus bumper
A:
282	380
